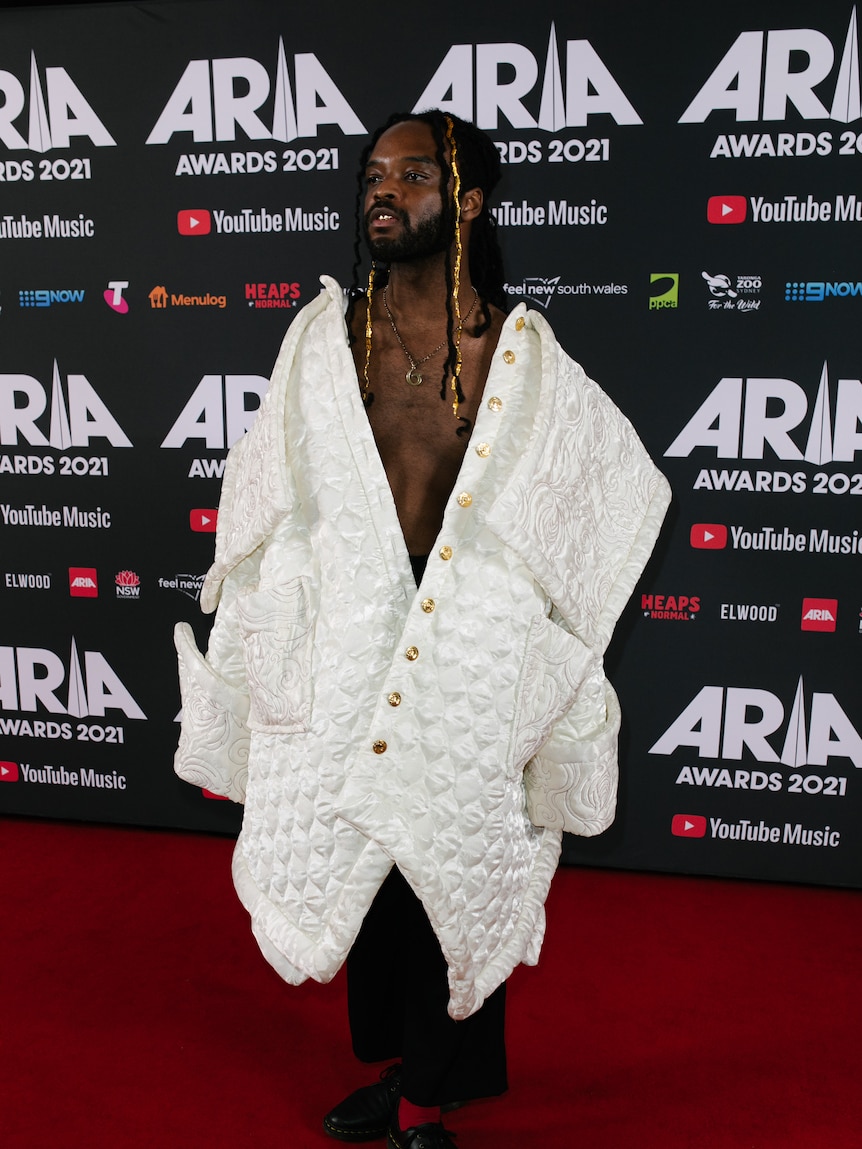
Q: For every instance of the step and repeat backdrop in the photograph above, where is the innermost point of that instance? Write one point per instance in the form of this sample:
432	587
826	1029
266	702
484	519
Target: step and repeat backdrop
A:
682	200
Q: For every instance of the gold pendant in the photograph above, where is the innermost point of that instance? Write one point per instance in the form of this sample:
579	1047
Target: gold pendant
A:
413	377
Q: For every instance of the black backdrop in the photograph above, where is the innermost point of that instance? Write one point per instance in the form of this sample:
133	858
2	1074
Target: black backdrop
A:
682	198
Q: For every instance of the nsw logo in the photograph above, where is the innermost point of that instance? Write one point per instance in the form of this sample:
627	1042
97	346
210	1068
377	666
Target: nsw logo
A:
726	209
194	221
688	826
819	613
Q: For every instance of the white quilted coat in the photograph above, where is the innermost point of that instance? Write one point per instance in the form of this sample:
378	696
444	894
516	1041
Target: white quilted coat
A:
363	723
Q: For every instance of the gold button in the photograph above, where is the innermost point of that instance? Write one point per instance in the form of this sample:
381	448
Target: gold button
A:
428	605
494	403
411	653
464	500
379	747
394	698
520	323
445	553
483	450
509	357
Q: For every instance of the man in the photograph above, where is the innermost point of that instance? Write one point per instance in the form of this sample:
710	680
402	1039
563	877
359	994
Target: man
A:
408	757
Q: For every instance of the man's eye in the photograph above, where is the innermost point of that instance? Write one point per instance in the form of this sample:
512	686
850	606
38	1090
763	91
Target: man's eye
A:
372	179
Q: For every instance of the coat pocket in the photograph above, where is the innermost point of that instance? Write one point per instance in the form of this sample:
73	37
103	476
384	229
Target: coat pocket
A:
555	665
276	634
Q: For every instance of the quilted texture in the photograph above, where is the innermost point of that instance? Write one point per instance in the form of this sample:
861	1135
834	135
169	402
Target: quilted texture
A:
320	627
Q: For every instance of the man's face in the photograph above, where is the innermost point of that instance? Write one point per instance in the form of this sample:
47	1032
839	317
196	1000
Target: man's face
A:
404	218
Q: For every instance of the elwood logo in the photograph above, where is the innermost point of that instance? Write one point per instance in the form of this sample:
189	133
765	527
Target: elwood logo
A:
797	60
114	296
217	411
194	221
819	614
32	677
727	722
468	81
740	422
664	290
75	418
8	771
726	209
83	582
52	122
688	826
206	102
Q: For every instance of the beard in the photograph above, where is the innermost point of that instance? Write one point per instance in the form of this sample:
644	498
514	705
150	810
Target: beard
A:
426	238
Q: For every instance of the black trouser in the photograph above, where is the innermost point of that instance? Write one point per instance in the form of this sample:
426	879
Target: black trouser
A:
397	997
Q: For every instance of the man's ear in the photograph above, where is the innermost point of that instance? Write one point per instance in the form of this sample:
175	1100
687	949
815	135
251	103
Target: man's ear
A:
471	203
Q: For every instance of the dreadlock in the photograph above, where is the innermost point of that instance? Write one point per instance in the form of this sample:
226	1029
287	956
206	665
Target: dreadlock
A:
477	162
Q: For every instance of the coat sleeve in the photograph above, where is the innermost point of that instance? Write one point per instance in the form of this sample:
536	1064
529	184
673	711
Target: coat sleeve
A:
214	737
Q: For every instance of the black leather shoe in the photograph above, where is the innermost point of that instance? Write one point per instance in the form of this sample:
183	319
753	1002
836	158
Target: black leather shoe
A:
368	1112
429	1136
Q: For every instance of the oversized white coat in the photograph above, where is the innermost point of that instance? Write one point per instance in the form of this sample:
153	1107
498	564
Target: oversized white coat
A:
365	723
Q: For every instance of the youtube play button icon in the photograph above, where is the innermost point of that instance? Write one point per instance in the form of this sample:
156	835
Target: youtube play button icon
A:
708	536
726	208
8	771
194	221
203	519
688	826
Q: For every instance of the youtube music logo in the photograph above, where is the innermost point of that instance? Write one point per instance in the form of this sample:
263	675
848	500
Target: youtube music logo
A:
203	520
8	771
193	221
726	208
688	826
708	536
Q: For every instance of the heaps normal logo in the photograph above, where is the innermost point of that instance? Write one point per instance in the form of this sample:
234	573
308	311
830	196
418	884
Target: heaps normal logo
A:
740	422
215	97
469	70
726	722
55	111
760	76
32	678
216	411
670	607
76	417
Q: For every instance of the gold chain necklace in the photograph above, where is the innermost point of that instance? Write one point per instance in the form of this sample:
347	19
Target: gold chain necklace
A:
414	376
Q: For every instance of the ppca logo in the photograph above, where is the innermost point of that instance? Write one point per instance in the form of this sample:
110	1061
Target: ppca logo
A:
738	423
216	411
762	72
55	111
214	97
724	722
478	69
76	417
32	678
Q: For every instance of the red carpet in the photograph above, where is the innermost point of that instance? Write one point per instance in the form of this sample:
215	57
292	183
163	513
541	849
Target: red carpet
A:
667	1012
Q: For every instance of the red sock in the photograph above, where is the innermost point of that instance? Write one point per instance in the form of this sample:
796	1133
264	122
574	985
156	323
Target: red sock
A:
410	1115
